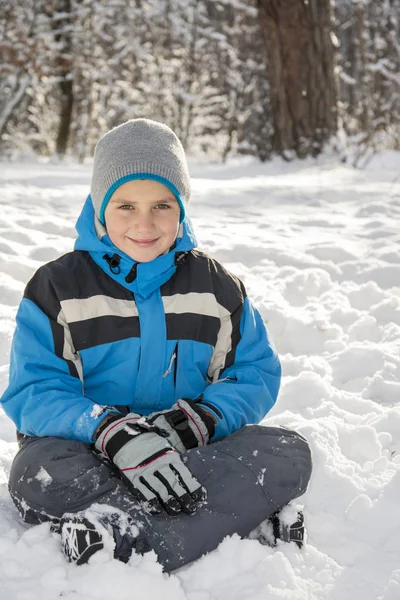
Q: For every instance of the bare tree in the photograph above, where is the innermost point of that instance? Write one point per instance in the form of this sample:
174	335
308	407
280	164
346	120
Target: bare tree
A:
369	64
18	50
62	27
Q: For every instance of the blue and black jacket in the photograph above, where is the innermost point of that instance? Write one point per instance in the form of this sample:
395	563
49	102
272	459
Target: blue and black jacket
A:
97	330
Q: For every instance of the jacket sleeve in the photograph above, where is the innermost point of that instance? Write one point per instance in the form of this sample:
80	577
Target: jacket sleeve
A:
247	389
45	392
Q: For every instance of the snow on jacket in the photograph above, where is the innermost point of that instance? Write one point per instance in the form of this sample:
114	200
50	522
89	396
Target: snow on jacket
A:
96	329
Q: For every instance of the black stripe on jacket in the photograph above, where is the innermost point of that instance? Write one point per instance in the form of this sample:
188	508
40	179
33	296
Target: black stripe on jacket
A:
76	276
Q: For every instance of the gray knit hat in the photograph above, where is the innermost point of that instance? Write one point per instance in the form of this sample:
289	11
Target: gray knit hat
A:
139	149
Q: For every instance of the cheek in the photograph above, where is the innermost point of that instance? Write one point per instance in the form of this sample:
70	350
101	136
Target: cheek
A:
115	224
171	229
172	223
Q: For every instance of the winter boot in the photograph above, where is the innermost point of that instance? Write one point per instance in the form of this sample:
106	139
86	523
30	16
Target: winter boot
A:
287	531
86	532
286	525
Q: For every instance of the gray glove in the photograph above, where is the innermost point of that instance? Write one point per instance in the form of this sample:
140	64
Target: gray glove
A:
149	464
186	424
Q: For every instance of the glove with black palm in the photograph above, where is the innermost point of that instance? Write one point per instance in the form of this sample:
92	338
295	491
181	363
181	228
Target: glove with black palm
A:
149	463
186	424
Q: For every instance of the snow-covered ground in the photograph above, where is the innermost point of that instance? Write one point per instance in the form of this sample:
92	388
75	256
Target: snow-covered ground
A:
317	245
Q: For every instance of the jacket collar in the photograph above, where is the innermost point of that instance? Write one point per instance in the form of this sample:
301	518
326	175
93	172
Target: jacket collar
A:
140	278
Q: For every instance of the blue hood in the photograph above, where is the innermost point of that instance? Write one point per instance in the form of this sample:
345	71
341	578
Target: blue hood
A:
93	238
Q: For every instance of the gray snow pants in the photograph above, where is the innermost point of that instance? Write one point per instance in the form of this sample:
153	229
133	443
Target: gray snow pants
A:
248	476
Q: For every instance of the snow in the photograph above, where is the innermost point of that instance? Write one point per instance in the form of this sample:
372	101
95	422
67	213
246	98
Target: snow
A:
44	477
317	245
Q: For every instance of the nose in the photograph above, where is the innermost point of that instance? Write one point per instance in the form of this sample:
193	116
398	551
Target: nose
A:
144	221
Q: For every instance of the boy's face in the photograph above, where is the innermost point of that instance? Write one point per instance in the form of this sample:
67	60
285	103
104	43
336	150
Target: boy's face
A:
142	219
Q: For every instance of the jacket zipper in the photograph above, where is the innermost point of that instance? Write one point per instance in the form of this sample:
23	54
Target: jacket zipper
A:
171	363
176	363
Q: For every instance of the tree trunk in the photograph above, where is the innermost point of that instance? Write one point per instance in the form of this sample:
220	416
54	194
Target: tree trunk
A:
15	97
67	99
301	72
63	37
361	68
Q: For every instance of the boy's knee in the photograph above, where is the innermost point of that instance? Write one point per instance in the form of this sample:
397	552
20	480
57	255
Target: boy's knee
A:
300	452
42	453
287	462
277	437
51	475
279	448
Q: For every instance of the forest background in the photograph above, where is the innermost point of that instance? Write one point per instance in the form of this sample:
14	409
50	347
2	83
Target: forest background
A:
255	77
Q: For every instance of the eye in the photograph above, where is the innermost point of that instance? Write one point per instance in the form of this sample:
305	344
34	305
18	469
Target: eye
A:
162	206
125	207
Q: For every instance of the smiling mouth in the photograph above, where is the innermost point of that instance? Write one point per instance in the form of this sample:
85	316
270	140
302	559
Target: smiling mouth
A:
143	243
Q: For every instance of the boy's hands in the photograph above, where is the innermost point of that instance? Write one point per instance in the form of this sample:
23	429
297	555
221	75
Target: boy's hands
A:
186	424
150	463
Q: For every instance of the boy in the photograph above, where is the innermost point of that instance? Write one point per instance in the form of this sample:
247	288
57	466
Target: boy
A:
136	364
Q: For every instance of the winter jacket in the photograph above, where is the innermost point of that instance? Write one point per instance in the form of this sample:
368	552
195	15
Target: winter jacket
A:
96	330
